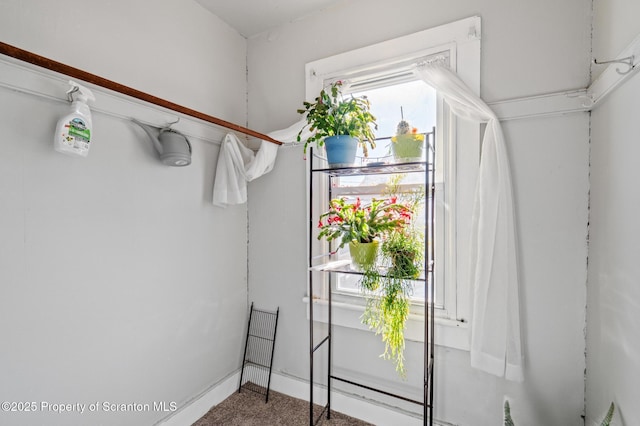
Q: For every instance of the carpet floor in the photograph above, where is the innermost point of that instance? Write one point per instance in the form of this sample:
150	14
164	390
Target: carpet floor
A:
248	408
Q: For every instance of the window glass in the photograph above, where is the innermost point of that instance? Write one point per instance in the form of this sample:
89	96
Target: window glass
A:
413	101
416	103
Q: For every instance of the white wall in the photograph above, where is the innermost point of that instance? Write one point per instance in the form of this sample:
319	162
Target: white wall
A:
613	310
527	49
119	281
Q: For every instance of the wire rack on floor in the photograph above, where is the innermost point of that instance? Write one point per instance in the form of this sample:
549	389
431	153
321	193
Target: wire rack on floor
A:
258	351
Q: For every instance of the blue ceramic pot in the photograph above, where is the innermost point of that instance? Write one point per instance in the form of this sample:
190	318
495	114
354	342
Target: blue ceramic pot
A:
341	150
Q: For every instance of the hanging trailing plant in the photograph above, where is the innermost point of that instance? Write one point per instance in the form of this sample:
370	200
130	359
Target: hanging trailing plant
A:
387	315
388	293
387	286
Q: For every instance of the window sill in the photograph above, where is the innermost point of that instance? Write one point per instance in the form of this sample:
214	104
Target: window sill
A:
448	333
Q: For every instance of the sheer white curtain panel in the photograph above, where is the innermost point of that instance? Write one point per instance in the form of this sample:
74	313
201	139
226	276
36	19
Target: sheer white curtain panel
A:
496	345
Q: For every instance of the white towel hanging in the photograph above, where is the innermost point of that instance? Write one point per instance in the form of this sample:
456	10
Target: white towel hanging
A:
238	165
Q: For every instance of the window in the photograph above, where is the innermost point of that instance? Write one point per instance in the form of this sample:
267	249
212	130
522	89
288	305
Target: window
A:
383	72
416	103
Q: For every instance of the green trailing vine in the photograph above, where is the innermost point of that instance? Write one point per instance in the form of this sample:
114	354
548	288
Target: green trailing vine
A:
387	286
387	315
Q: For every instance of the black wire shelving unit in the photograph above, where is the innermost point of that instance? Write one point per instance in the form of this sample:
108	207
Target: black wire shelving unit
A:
426	168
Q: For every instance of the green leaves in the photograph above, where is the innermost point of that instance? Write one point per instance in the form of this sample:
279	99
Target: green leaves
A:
386	313
362	223
332	115
508	421
609	416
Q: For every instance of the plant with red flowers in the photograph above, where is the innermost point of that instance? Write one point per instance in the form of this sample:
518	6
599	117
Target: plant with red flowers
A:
362	223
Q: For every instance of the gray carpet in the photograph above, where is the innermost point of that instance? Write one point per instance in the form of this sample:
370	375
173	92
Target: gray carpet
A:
248	408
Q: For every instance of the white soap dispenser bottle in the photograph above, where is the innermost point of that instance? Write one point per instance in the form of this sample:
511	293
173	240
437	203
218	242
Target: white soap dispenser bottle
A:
73	132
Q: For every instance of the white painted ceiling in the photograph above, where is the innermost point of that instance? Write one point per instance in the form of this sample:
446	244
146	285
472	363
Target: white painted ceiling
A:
252	17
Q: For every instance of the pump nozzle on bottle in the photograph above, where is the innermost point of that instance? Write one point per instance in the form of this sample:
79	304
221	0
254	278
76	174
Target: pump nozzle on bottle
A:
84	95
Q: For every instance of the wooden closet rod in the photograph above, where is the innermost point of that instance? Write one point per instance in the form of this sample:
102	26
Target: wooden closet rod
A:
41	61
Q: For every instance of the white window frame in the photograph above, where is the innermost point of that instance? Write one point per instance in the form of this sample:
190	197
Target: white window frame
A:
459	40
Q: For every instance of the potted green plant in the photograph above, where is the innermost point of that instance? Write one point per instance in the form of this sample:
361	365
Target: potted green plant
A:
407	144
404	250
341	123
361	225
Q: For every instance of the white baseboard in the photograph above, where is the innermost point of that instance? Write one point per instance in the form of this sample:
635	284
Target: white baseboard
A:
350	405
201	404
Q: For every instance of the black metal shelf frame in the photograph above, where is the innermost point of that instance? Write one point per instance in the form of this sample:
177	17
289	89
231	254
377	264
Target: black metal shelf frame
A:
426	168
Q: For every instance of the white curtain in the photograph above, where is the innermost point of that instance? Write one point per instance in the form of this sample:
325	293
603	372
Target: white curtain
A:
496	345
238	165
